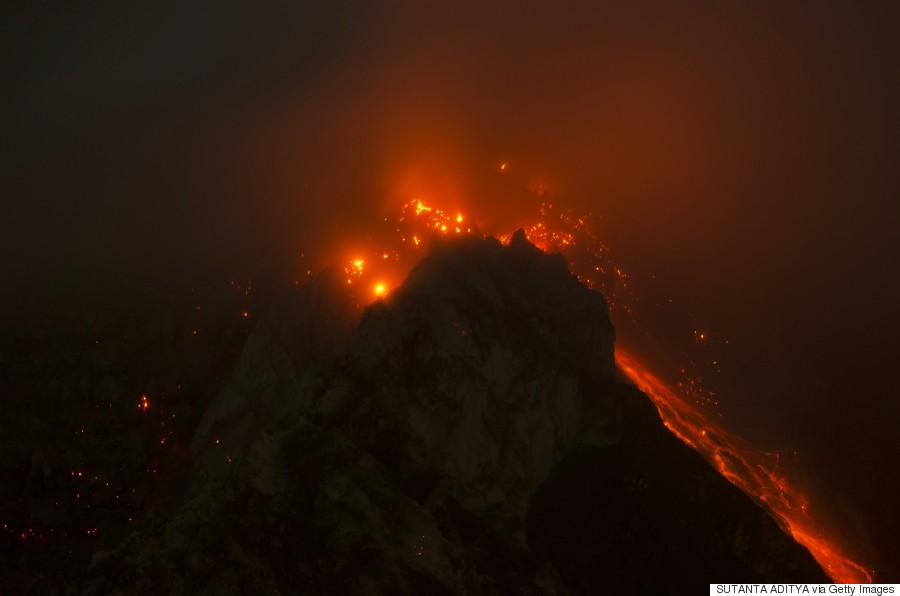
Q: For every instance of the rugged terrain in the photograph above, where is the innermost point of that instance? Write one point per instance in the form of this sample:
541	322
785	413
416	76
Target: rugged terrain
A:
467	435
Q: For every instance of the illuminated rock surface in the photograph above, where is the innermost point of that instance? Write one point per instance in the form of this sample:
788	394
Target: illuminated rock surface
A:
471	438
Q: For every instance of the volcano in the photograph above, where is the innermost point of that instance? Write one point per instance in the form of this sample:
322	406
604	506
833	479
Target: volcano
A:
469	434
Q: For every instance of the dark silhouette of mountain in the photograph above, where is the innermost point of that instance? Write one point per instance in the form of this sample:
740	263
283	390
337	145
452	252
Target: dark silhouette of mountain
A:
468	435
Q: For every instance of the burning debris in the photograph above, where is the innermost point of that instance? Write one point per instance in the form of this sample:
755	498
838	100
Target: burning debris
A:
415	451
688	411
99	415
104	501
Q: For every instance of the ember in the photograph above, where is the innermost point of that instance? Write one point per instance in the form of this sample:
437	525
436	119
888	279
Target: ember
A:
684	410
754	472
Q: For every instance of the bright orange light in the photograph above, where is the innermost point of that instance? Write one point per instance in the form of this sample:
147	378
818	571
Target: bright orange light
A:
681	408
145	404
754	472
503	166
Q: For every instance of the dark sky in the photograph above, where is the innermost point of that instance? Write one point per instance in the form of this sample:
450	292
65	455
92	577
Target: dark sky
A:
744	152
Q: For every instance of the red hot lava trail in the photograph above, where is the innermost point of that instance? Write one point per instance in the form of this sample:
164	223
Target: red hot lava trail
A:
373	272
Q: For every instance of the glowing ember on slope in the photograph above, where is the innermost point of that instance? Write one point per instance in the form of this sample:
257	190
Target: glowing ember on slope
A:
754	472
685	411
371	273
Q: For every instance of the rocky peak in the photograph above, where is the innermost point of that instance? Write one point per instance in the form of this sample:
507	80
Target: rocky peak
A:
471	439
476	361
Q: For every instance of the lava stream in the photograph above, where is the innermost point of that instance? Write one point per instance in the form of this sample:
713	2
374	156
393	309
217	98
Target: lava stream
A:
745	467
400	244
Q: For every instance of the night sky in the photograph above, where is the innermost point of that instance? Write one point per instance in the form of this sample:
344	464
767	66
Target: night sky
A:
744	153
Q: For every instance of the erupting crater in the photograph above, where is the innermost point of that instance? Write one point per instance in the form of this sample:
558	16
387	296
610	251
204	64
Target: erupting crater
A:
400	243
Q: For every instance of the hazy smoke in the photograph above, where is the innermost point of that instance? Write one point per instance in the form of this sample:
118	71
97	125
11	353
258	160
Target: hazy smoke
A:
744	154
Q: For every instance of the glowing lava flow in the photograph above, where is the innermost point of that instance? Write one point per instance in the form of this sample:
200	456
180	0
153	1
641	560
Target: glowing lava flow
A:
756	473
753	472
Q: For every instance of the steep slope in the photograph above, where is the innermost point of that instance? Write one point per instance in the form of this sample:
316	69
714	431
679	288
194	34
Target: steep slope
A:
472	439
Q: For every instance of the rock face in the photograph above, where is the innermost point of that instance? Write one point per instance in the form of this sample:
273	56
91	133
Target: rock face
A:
299	333
472	439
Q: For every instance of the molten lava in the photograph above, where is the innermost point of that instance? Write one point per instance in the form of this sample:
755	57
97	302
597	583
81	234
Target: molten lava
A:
754	472
684	410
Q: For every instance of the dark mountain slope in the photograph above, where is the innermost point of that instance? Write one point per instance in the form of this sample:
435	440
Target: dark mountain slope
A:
471	439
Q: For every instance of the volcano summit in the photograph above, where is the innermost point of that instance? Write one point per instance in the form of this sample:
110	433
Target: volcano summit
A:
469	436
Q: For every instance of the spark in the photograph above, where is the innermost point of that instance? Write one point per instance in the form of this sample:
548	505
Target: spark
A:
752	471
685	410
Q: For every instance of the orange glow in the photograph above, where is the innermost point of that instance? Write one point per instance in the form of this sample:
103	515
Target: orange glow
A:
395	249
684	409
754	472
503	166
144	405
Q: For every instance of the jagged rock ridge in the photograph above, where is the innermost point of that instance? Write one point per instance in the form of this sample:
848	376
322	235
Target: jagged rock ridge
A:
471	439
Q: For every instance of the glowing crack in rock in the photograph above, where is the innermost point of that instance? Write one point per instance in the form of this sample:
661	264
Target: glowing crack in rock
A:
685	410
